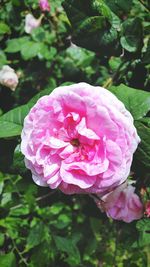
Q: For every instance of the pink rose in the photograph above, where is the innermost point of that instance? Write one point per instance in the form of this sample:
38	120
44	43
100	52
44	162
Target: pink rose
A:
31	23
122	204
8	77
44	5
80	138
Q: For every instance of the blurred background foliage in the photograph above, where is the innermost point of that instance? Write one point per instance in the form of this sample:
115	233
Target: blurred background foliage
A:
100	42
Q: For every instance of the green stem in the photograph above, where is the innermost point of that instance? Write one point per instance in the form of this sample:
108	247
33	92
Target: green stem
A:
144	5
110	80
18	252
37	199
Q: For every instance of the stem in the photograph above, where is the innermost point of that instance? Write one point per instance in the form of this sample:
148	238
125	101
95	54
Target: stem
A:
144	5
18	252
37	199
110	80
95	198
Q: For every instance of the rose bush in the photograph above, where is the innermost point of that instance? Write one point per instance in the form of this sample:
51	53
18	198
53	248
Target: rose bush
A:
80	138
40	226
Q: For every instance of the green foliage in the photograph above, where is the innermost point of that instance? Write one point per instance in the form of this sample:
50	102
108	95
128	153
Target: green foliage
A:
94	24
144	232
12	121
131	39
138	103
8	260
4	28
104	43
101	26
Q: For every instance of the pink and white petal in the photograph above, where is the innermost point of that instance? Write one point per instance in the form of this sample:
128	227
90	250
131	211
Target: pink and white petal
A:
54	181
89	168
38	180
57	143
50	170
75	178
67	151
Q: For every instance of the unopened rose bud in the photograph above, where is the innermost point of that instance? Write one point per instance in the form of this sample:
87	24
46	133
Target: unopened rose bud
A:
123	204
8	77
147	209
44	5
31	23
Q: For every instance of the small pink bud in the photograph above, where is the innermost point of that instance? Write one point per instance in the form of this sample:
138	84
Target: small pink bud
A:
147	209
44	5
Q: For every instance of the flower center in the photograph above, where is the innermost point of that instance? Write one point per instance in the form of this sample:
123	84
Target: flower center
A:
75	142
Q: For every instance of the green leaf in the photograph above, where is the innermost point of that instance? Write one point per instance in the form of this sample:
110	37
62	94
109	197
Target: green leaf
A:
4	28
143	152
30	49
80	56
36	236
146	56
18	160
3	59
103	9
67	245
7	260
114	63
14	45
9	129
63	221
132	32
94	24
46	53
119	5
136	101
143	227
12	121
38	34
6	198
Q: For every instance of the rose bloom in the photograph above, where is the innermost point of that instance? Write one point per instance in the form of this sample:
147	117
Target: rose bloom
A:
147	209
8	77
44	5
31	23
80	138
122	204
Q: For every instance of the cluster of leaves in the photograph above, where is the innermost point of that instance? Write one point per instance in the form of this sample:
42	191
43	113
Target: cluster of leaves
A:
117	31
49	229
101	42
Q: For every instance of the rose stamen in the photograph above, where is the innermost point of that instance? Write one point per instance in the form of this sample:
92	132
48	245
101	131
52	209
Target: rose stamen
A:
75	142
